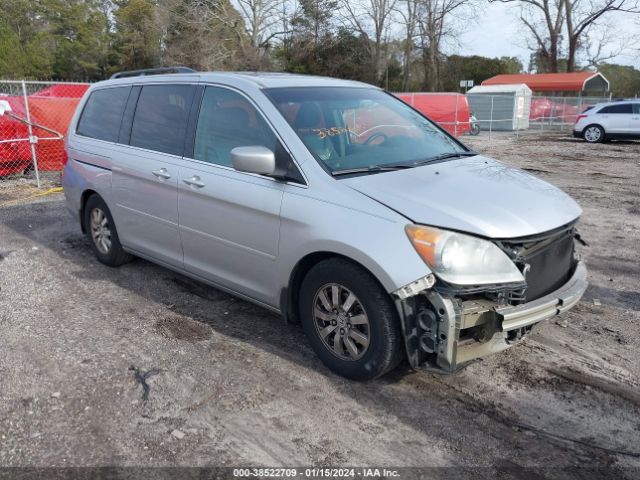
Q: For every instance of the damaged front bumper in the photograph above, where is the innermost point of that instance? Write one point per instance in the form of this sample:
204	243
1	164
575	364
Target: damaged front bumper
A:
446	332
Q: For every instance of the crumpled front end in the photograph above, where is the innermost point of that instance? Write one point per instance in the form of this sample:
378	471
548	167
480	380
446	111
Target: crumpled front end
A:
446	328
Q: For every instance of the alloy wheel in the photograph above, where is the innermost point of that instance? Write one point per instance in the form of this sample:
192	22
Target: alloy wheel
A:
100	231
592	134
341	321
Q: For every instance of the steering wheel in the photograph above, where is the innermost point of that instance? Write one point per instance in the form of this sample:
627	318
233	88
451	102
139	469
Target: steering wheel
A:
376	136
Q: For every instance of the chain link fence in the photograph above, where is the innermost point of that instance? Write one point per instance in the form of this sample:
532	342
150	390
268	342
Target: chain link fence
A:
497	113
475	114
34	118
559	113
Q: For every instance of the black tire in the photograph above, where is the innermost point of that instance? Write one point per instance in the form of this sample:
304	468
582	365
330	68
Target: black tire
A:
475	130
594	134
114	256
386	344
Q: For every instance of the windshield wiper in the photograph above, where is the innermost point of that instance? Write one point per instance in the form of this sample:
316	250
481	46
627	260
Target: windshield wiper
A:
401	166
371	169
444	156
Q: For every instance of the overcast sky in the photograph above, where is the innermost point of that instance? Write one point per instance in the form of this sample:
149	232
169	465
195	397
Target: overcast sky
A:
497	33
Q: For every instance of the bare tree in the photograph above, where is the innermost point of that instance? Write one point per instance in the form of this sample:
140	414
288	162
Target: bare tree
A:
583	14
314	19
262	20
198	34
437	23
408	12
242	31
544	20
371	18
599	45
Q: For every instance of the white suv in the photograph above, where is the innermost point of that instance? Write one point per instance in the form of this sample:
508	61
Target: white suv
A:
606	121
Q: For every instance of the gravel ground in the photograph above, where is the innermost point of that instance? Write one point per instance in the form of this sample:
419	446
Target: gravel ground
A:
239	387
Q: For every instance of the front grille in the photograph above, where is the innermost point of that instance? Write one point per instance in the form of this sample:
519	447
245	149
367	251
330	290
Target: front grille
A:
549	267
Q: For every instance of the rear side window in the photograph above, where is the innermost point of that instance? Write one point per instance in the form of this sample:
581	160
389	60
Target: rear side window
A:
636	108
620	108
102	114
160	121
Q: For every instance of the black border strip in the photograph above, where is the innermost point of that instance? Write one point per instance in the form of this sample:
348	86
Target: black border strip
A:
92	165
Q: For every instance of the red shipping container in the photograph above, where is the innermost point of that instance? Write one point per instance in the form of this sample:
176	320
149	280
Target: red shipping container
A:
52	107
443	108
15	153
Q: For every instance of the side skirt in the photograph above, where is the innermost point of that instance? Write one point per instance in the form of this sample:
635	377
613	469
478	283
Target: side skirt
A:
203	280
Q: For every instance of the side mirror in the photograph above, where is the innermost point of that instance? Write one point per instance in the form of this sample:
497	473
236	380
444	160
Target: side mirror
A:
254	159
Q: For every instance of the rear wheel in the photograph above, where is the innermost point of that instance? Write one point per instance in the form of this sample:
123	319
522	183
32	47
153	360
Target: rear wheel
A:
350	320
594	134
102	233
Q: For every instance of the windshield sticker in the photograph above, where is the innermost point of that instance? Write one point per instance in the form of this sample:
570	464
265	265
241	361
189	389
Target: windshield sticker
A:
331	132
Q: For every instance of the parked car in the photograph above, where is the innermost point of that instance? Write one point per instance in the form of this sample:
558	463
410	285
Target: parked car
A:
608	121
390	243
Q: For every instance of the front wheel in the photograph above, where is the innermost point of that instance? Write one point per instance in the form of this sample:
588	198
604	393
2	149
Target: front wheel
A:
101	231
594	134
350	320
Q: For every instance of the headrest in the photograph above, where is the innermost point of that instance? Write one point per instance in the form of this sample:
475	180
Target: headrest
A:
308	116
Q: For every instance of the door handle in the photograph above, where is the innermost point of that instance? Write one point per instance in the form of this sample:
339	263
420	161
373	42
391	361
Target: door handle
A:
162	173
194	182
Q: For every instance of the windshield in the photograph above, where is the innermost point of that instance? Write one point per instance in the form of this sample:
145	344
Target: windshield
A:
361	128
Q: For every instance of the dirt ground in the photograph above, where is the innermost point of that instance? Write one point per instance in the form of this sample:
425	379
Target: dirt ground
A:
243	389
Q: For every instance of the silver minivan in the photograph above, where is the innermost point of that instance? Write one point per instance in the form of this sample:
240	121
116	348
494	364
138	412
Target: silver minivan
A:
330	202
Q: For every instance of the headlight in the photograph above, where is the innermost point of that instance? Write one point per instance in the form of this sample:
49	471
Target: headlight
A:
462	259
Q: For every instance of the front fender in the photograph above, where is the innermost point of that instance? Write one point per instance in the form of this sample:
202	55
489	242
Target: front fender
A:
377	241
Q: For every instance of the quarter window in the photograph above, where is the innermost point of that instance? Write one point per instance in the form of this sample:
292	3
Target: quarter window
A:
636	108
102	115
160	121
620	108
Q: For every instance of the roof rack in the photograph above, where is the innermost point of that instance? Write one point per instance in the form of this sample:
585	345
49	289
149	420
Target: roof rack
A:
152	71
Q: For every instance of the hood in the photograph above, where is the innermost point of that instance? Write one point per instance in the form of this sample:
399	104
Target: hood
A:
478	195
